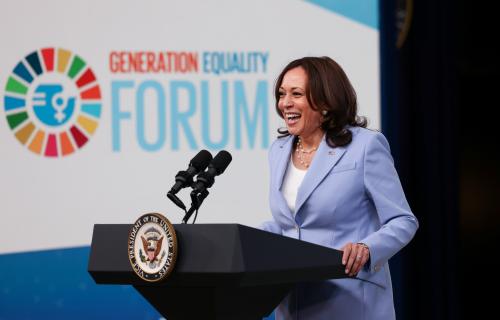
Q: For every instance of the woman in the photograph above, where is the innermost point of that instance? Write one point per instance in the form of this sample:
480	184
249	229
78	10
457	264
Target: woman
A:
333	183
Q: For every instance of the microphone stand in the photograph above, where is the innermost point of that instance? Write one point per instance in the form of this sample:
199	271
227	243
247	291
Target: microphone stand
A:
197	198
181	178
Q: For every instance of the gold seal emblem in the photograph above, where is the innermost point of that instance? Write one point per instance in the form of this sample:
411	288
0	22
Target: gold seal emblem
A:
152	247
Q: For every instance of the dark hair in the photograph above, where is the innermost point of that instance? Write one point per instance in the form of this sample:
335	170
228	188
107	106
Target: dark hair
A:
328	89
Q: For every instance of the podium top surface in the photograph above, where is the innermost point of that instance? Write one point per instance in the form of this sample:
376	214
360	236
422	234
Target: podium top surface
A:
218	254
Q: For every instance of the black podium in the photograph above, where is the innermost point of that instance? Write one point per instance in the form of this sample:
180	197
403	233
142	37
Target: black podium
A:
223	271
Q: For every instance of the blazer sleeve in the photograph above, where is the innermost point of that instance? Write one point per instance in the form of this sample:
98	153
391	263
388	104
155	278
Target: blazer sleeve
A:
383	187
270	226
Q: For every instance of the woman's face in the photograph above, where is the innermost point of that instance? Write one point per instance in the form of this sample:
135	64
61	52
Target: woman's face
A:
300	118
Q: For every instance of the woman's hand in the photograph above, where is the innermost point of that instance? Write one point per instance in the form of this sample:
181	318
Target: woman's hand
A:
355	256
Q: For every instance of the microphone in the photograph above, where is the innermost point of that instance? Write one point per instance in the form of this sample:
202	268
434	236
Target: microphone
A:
205	180
184	179
218	165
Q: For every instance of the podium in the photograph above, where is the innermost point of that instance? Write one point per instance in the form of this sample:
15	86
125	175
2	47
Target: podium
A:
223	271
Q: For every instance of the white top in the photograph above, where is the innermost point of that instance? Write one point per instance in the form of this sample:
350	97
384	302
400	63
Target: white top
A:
291	183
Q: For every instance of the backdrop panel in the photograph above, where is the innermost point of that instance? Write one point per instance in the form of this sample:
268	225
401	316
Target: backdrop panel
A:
104	101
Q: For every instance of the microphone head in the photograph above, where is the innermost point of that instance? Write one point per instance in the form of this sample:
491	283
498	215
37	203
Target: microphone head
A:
221	161
201	160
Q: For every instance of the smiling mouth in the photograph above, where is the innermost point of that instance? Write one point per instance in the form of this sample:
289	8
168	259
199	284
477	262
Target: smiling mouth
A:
292	117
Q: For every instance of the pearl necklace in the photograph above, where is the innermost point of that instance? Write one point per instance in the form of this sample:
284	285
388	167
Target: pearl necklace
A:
301	153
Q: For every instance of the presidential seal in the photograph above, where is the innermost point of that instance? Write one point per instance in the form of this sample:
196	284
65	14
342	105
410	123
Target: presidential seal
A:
152	247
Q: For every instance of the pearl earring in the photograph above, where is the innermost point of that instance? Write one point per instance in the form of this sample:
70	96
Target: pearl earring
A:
324	112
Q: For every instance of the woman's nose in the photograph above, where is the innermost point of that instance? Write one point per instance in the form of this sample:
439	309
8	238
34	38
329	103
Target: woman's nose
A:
287	102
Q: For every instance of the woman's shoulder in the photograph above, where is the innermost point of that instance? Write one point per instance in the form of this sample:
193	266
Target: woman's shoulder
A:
278	146
361	133
279	142
370	142
361	137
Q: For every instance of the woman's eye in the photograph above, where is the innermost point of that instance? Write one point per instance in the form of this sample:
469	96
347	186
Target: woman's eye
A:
297	94
281	94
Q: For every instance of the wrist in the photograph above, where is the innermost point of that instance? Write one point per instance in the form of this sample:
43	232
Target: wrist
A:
368	262
364	245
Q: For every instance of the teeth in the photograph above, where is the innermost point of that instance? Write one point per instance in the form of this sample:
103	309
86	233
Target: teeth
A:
291	115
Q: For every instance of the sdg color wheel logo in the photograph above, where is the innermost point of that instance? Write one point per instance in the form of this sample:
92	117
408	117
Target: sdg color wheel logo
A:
52	102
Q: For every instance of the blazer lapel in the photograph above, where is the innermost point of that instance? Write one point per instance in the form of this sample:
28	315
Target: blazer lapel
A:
324	160
281	164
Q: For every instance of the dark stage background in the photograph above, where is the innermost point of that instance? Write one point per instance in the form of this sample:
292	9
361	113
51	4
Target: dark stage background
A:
439	97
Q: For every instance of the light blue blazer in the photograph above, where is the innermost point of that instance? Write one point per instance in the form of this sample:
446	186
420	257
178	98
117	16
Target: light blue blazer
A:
349	194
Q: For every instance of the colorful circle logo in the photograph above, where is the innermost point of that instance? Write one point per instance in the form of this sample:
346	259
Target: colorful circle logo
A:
52	102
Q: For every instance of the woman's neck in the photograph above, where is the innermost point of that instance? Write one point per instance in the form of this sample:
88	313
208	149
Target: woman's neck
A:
312	140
